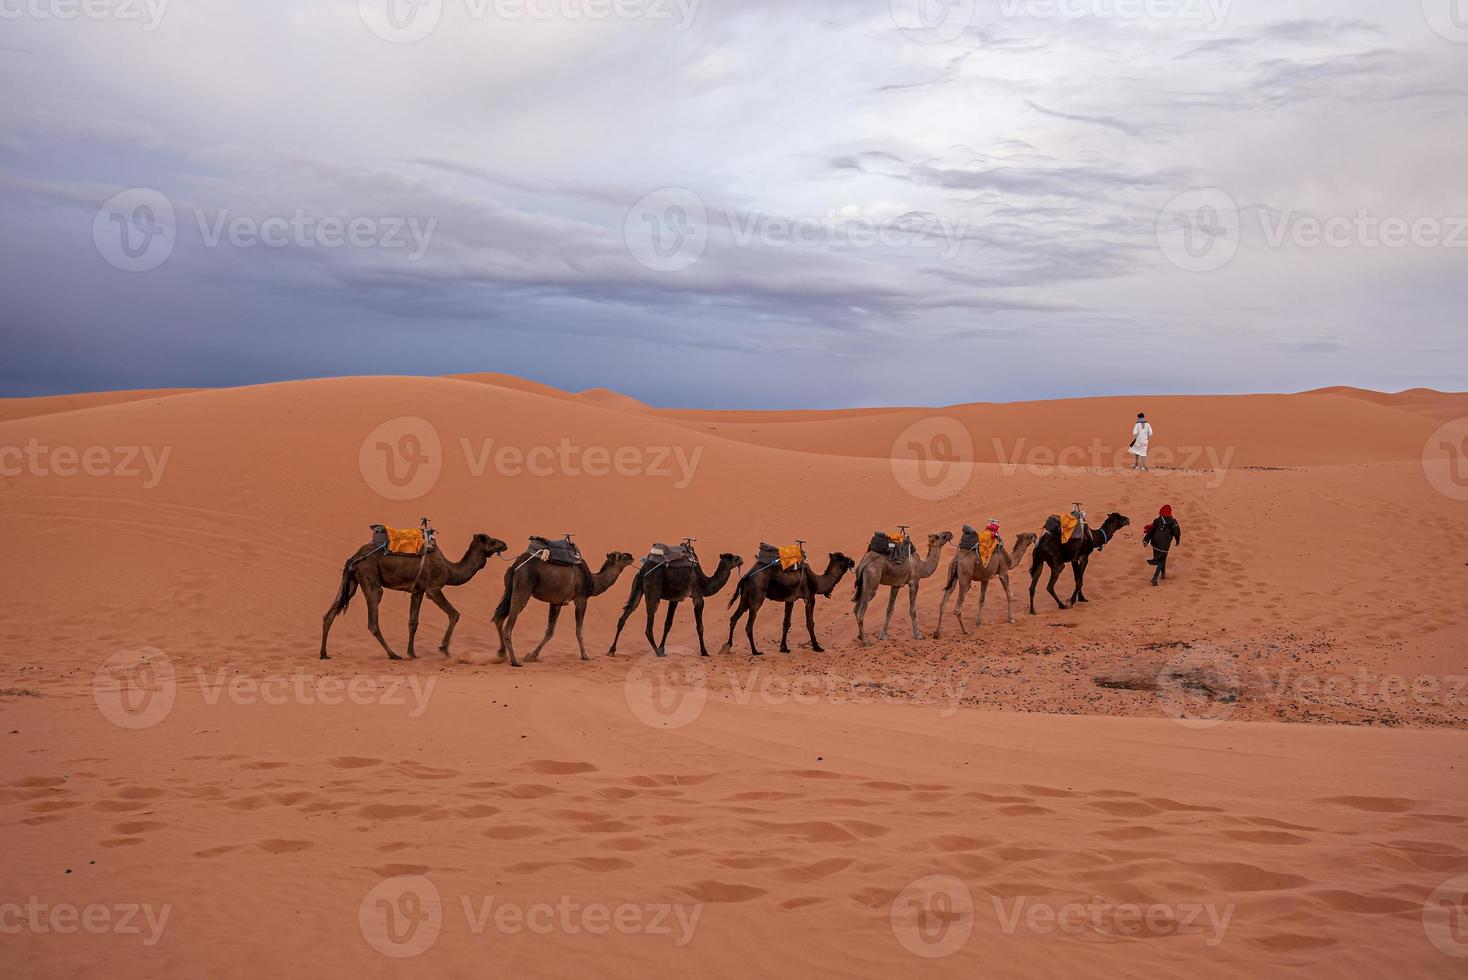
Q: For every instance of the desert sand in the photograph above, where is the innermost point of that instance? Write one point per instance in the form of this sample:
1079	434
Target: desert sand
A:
1258	765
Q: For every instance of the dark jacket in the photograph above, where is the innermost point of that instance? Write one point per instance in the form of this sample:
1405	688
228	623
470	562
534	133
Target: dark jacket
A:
1162	533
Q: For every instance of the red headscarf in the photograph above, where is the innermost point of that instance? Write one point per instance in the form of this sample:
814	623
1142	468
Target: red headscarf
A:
993	527
1166	511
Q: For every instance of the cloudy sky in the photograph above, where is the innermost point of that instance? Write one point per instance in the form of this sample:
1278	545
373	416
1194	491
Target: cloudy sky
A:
737	203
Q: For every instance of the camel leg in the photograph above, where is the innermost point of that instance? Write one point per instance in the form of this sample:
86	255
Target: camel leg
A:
891	605
373	596
652	615
754	604
785	633
734	620
938	630
621	621
983	594
1075	576
698	622
414	605
863	599
507	630
580	627
1034	580
550	627
912	591
965	583
338	606
662	646
1008	598
442	602
1050	585
1081	579
810	625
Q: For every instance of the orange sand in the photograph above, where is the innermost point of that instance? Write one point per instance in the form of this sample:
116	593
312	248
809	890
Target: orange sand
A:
787	803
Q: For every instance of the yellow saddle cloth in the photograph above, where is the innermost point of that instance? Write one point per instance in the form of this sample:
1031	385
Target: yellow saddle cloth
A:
1068	525
790	556
405	541
987	543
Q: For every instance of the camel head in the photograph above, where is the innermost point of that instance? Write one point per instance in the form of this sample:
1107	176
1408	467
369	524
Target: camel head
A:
489	545
841	565
1115	522
1023	542
618	560
940	540
730	560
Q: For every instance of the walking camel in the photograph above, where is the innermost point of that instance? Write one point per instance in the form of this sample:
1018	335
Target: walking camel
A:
674	583
966	569
530	577
371	569
1076	552
875	571
788	586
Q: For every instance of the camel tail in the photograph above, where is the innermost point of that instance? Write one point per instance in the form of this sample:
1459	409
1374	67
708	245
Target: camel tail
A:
952	577
348	587
636	592
503	609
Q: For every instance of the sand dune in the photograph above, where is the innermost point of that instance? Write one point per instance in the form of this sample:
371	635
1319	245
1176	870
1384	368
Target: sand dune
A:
791	801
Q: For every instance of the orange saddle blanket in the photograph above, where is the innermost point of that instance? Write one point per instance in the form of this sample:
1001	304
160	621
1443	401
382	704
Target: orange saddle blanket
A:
988	541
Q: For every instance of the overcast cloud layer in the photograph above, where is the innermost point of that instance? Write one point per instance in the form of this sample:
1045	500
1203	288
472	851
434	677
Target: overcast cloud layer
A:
737	202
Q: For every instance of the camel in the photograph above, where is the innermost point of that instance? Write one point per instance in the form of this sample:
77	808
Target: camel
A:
875	571
788	586
529	577
658	582
1076	552
966	569
372	570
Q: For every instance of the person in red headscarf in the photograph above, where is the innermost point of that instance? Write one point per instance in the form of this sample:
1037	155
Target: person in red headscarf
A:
1161	534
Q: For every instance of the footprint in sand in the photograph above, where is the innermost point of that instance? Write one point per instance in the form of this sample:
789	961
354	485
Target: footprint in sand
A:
720	892
550	767
353	762
276	845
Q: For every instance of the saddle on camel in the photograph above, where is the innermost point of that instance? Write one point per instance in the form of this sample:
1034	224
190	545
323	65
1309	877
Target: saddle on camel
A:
896	548
673	556
982	542
1066	525
413	541
787	556
556	551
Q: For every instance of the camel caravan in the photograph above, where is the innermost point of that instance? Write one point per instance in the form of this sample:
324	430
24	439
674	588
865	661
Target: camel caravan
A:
554	571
